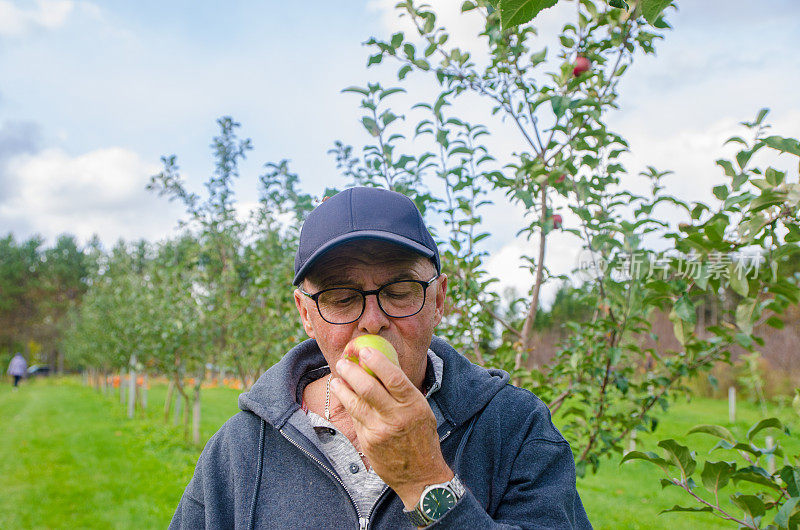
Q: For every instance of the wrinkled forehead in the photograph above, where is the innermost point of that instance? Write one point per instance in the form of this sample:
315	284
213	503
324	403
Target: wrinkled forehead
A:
361	262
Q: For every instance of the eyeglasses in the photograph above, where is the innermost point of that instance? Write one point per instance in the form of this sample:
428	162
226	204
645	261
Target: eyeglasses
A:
344	305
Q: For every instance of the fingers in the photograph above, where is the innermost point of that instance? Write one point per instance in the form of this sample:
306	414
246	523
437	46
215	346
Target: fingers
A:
390	375
354	405
361	391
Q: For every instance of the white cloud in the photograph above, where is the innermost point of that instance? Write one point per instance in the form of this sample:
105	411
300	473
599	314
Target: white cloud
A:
677	110
464	28
510	267
16	21
100	192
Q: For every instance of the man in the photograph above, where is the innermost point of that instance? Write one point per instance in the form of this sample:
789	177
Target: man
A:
17	368
437	441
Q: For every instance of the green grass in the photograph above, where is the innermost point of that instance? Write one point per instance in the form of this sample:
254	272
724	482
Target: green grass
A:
630	495
70	458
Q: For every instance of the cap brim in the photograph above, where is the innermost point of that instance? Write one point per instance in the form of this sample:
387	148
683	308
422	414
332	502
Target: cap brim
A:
363	234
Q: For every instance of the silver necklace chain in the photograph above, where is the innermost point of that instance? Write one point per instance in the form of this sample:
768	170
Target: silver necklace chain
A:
328	405
328	398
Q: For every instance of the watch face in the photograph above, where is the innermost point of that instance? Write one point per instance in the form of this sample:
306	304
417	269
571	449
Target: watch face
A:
437	501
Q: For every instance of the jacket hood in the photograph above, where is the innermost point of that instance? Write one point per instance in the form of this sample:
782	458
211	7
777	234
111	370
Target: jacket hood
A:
466	387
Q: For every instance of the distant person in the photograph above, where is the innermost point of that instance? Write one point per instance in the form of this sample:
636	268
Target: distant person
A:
17	368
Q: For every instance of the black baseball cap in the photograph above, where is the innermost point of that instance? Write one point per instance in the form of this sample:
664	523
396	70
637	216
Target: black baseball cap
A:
363	213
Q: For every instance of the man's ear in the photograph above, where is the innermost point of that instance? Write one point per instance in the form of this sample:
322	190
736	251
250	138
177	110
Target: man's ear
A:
441	296
305	317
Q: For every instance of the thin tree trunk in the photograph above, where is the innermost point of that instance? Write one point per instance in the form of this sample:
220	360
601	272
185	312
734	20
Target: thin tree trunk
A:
196	416
143	400
701	319
132	387
168	400
186	417
527	327
121	387
176	416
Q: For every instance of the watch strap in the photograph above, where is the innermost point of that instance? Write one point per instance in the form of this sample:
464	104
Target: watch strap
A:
418	517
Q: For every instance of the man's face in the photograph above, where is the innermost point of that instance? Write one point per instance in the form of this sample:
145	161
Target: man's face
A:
369	265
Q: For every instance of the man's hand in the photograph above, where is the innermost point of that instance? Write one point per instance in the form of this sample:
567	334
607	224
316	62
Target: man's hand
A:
394	424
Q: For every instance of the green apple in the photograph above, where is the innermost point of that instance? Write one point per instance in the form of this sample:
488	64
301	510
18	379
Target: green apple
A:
369	341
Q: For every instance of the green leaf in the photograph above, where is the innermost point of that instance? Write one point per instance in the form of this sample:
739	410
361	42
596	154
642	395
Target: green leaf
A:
794	234
403	72
716	474
539	57
745	315
665	482
651	9
677	508
742	157
714	430
619	4
648	456
738	180
357	90
397	39
756	475
680	456
774	176
685	310
782	517
791	476
766	423
738	280
787	145
560	105
775	322
526	197
761	115
516	12
752	505
721	192
681	328
370	126
724	444
727	167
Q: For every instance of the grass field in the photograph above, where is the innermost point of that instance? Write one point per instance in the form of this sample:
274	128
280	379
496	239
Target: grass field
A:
70	458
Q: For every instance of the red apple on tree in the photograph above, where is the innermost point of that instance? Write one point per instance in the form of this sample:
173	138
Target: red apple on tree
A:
582	64
557	220
561	179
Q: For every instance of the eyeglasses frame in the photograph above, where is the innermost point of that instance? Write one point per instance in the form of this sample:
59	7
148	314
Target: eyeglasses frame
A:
364	294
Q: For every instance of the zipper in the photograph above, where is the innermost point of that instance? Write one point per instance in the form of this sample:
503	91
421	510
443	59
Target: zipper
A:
443	438
363	522
385	489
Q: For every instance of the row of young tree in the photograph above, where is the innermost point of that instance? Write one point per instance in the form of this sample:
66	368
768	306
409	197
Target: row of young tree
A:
39	287
219	296
215	299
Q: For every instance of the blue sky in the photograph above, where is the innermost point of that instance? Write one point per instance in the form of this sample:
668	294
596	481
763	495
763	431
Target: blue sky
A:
93	93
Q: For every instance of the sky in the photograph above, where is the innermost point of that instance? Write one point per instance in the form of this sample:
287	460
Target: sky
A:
92	94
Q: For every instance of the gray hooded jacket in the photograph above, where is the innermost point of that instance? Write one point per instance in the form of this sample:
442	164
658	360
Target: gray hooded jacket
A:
260	471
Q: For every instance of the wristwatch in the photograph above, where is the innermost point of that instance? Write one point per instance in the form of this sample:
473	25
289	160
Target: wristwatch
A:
436	500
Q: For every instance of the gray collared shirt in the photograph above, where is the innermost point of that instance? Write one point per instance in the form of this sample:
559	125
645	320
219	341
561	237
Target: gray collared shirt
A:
363	484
